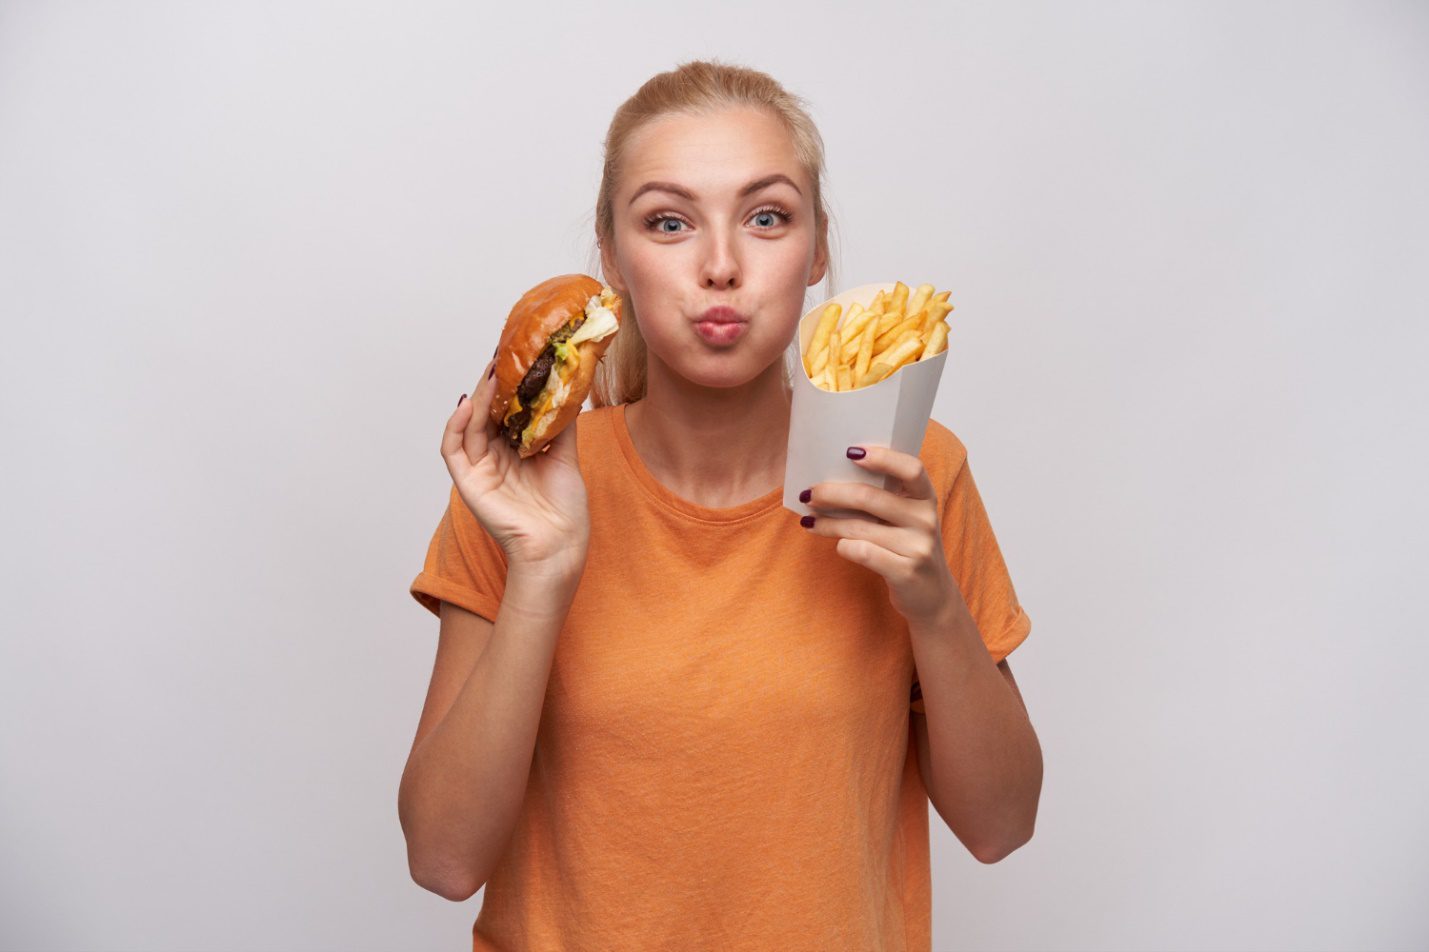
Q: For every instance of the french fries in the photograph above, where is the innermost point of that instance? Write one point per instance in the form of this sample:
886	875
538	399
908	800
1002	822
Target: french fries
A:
817	354
865	345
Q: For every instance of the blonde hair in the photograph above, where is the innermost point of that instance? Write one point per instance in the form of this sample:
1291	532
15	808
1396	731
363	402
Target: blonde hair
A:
693	88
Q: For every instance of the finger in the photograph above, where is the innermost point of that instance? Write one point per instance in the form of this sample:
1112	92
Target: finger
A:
480	435
906	543
452	439
872	556
465	438
876	501
904	467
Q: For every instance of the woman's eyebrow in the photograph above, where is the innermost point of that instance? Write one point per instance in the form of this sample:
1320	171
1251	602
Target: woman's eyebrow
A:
687	195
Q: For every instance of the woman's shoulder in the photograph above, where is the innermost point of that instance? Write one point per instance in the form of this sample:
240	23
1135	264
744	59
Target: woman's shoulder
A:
595	433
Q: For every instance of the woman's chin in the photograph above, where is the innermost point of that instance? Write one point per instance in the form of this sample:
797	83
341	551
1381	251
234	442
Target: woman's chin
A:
725	374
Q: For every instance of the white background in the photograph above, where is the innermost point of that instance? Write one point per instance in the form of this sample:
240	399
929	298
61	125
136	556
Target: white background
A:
251	254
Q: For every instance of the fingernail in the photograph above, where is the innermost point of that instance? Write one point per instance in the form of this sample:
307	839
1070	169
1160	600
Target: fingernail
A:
460	399
493	370
806	521
806	495
856	452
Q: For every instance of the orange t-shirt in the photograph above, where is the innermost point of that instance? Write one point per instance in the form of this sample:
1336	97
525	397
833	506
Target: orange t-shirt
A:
724	759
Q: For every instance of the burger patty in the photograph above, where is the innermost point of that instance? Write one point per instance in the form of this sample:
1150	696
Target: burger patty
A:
535	381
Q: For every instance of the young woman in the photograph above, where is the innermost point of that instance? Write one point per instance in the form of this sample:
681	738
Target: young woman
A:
664	713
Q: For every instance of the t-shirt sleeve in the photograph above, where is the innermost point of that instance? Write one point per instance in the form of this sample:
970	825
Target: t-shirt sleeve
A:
976	562
464	565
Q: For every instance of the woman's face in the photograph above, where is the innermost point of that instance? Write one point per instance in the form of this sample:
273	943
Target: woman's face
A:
675	255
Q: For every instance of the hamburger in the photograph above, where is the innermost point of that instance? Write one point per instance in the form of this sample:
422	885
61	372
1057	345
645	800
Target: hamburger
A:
554	337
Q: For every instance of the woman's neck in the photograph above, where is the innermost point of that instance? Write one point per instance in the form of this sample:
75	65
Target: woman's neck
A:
716	447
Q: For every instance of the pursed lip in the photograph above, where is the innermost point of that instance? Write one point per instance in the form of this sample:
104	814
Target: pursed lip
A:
723	315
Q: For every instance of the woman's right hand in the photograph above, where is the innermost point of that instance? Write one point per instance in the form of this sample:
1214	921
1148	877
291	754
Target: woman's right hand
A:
534	508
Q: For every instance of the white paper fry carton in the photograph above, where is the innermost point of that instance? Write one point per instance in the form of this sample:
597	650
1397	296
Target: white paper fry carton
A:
823	424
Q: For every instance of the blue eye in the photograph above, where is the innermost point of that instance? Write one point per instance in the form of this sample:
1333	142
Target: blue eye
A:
776	210
653	220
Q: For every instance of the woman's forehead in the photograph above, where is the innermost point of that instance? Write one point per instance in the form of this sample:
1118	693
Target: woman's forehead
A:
713	155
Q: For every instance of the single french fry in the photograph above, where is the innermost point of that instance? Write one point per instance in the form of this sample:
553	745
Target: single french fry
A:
900	296
937	341
942	297
902	353
893	315
865	350
875	373
845	378
936	312
888	321
827	322
919	298
910	334
912	356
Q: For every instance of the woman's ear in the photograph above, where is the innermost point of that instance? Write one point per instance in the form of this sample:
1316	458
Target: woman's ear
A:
821	256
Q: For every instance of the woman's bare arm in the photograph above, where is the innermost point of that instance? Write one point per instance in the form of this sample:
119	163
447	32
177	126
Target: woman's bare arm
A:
466	775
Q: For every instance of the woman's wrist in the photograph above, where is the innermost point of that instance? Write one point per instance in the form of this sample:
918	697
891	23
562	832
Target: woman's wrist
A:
545	587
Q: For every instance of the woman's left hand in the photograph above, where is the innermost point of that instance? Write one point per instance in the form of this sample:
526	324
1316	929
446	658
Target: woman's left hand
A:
900	539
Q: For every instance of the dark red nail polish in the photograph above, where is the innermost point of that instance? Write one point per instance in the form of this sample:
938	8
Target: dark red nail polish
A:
856	452
460	399
806	495
493	370
806	521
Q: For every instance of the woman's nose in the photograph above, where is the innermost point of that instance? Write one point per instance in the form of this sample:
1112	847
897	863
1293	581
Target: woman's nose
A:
721	264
